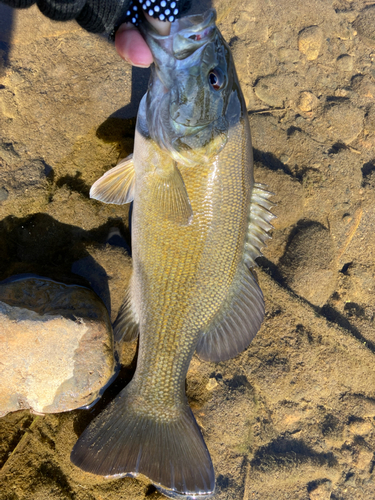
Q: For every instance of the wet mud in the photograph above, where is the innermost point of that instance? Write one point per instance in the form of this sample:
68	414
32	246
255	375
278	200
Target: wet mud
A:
293	416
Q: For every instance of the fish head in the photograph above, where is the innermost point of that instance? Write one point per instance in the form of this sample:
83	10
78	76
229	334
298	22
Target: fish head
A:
193	96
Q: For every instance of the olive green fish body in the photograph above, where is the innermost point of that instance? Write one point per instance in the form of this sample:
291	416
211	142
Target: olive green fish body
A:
198	223
184	273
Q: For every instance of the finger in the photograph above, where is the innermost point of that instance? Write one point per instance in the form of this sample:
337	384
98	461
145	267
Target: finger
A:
131	46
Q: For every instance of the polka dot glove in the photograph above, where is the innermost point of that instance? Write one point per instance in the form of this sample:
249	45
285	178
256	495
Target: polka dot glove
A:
164	10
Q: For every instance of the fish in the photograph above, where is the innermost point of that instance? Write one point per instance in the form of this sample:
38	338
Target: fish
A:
199	221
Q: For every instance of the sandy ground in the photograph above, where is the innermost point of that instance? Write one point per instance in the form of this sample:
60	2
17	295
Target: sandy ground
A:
293	416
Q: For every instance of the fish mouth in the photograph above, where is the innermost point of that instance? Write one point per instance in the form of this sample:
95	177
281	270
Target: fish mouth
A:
186	36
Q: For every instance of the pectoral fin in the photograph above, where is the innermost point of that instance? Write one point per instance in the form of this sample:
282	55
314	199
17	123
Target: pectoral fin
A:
117	185
170	195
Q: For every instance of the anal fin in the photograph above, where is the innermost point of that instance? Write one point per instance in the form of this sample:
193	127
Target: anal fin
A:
117	185
126	325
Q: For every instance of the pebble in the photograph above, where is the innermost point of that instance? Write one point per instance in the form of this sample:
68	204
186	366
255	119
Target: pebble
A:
321	492
267	90
370	121
364	86
345	63
274	90
56	345
212	384
365	26
345	122
3	194
310	42
307	101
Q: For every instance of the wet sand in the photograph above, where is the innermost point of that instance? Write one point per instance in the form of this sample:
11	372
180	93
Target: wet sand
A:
293	416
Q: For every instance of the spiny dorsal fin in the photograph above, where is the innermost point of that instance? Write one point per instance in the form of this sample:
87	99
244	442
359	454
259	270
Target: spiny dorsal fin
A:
126	325
117	185
237	323
259	223
170	195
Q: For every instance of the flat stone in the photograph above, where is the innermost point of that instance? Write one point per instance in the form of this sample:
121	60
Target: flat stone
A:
310	42
274	90
56	345
345	122
3	194
345	63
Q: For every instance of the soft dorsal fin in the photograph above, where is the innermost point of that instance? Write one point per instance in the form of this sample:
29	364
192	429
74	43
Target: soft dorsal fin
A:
117	185
237	322
242	313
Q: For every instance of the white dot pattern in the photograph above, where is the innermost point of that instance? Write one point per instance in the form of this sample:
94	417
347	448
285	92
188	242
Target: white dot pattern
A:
164	10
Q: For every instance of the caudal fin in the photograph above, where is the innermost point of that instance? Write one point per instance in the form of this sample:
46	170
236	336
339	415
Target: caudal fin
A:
126	440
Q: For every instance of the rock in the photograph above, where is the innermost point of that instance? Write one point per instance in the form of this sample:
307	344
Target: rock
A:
267	91
365	87
340	123
345	122
321	492
365	26
3	194
26	179
308	265
345	63
56	345
307	101
310	42
274	90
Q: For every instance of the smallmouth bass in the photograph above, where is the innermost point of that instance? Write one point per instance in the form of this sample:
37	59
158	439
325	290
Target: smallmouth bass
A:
198	224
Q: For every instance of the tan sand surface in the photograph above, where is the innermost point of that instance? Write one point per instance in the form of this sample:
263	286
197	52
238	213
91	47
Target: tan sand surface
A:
293	416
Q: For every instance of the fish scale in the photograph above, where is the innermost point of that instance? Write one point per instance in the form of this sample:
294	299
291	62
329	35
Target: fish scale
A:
198	224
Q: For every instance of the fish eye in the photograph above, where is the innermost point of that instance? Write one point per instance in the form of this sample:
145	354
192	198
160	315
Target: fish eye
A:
216	79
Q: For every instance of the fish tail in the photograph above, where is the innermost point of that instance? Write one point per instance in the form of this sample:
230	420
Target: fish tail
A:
126	440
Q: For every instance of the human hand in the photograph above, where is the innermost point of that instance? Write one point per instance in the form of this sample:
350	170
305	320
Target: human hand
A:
131	46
